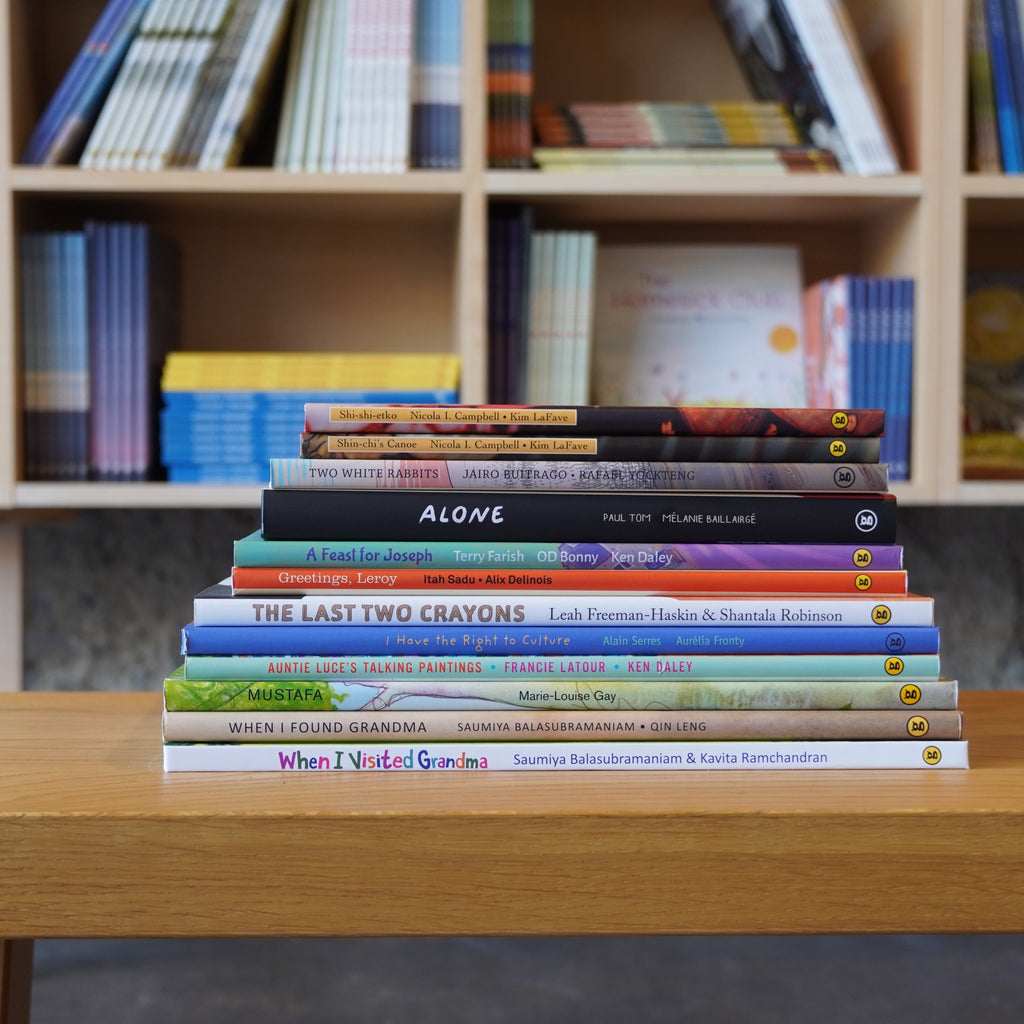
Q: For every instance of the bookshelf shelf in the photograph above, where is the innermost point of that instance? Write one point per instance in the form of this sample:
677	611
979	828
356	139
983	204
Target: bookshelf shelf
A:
629	184
241	180
87	494
324	262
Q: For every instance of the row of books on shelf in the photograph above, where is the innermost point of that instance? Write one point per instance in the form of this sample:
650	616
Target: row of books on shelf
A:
99	311
572	320
996	80
387	617
225	415
759	137
815	109
108	396
359	86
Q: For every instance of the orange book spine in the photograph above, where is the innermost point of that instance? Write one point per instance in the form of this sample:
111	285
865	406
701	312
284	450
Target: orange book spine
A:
269	580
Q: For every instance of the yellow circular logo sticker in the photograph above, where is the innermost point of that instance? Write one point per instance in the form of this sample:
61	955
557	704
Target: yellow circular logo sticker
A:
931	755
893	666
917	725
840	420
881	614
863	582
784	339
862	558
910	694
837	449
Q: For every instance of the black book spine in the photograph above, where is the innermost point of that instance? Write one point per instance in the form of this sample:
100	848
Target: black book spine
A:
661	517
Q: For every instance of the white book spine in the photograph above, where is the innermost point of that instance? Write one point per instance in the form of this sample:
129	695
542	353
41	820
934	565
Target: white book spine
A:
755	755
291	143
492	609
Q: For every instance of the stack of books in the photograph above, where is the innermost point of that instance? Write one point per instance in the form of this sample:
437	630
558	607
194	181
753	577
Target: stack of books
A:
450	588
741	135
225	415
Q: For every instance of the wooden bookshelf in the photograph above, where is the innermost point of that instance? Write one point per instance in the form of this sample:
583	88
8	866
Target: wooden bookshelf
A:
95	840
277	260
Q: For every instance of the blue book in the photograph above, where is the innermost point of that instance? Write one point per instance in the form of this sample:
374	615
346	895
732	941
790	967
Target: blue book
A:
97	236
543	640
437	99
1002	82
75	327
857	326
904	378
1015	53
61	131
284	402
218	472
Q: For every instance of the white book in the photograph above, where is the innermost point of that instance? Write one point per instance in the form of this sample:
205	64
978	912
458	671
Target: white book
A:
153	105
291	137
845	83
139	113
699	325
216	606
538	339
583	321
563	312
321	58
397	94
195	55
116	107
359	70
333	110
555	755
161	122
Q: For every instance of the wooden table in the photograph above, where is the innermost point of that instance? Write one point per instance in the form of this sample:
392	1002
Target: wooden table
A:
95	840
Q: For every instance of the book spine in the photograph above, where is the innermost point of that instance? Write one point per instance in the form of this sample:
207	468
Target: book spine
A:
496	609
328	696
609	448
282	580
582	755
519	474
643	726
370	668
233	650
254	550
1006	115
615	516
697	421
985	155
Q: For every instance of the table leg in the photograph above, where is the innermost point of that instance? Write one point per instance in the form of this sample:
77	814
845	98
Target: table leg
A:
15	980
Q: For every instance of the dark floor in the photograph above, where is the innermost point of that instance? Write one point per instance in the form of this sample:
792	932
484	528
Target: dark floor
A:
775	980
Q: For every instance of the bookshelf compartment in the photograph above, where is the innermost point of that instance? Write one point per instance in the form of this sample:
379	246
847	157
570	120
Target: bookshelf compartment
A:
304	273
